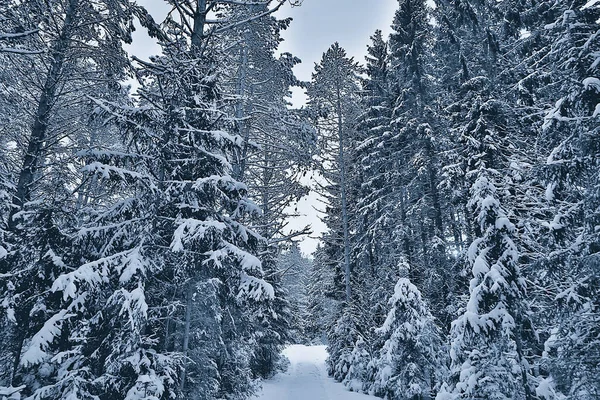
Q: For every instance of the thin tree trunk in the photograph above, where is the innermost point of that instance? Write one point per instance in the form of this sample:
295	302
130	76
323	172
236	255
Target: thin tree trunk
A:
35	148
20	340
405	239
455	218
186	332
522	362
199	22
342	162
435	197
240	112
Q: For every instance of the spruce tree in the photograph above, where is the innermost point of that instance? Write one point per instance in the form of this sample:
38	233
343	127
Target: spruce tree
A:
569	134
410	363
486	351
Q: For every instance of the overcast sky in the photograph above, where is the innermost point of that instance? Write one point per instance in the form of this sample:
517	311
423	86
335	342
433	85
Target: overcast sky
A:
316	25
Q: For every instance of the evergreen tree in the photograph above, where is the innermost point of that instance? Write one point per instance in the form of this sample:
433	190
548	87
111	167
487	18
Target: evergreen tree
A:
333	98
487	352
409	365
73	49
321	306
569	134
295	270
375	249
260	82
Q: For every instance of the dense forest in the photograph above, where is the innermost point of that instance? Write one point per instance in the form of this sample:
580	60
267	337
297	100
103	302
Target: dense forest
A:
145	251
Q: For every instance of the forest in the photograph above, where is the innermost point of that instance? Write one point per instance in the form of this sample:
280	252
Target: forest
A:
145	246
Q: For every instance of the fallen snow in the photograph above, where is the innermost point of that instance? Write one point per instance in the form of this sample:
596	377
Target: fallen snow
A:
306	378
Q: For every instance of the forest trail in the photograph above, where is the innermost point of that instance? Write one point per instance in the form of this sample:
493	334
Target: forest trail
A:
306	378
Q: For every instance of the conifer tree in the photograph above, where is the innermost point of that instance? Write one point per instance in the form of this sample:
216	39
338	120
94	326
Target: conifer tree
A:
333	97
61	58
374	249
321	306
275	147
569	133
486	351
409	364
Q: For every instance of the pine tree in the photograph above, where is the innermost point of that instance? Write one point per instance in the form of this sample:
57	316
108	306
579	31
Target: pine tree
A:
68	58
274	151
413	153
487	353
189	214
409	364
150	273
569	134
333	98
374	248
295	270
321	306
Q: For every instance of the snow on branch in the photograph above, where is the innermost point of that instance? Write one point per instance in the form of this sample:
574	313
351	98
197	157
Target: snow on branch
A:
127	263
17	35
251	287
41	341
191	229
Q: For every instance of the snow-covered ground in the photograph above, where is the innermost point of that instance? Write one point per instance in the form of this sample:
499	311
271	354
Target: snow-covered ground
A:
306	378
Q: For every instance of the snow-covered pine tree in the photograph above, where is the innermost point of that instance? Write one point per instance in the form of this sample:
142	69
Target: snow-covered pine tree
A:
489	347
570	137
375	248
413	156
410	363
97	58
275	150
486	351
346	344
333	100
187	224
483	45
295	270
161	277
321	305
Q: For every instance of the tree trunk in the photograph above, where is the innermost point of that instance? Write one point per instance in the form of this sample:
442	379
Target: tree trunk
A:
342	162
527	389
199	22
435	197
240	114
48	97
405	239
186	332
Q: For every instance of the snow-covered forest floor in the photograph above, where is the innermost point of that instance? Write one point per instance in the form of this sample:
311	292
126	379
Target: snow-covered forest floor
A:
306	378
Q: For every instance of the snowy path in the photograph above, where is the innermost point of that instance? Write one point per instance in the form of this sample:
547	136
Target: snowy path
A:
306	379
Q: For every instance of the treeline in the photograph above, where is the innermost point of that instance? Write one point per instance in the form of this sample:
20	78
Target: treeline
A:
461	169
139	234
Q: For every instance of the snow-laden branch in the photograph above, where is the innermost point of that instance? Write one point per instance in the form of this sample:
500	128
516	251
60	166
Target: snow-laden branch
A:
19	51
5	36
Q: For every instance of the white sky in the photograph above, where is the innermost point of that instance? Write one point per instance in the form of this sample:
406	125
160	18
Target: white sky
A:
316	25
